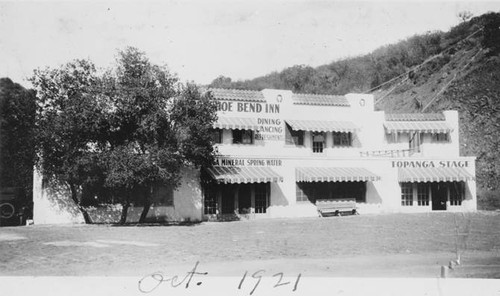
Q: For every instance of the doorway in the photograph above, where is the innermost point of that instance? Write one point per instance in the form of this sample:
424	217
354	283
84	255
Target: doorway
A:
245	198
439	193
227	199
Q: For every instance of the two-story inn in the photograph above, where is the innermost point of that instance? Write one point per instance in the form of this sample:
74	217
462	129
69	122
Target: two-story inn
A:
280	152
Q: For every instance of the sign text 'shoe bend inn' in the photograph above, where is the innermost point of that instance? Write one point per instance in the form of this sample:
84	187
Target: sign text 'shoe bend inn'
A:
247	107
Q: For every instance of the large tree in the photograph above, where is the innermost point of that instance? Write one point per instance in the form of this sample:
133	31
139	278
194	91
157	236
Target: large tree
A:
157	126
140	149
127	130
68	123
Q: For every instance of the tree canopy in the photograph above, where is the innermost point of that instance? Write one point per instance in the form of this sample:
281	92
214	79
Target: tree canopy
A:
17	122
128	129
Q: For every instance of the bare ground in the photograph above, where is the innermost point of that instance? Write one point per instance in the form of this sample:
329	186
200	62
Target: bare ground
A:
389	245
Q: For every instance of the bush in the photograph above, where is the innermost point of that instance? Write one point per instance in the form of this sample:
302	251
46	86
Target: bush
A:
488	200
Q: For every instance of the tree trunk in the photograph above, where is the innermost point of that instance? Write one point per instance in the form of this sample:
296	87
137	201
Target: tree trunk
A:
147	205
123	217
74	197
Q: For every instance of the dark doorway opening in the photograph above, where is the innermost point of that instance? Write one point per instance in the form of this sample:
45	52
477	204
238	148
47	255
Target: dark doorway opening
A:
312	191
245	198
439	193
227	202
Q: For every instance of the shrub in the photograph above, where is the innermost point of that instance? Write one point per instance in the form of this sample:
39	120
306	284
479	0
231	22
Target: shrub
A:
488	200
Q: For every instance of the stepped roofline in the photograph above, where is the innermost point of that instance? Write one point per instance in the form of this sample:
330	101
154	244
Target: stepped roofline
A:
237	95
322	100
415	117
297	98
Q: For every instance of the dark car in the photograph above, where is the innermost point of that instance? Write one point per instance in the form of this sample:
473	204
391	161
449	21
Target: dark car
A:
14	208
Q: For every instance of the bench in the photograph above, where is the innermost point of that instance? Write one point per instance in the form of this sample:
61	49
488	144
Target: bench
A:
336	206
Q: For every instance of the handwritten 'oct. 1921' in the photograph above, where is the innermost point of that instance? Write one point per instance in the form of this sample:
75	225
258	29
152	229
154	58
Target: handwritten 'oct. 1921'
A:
250	281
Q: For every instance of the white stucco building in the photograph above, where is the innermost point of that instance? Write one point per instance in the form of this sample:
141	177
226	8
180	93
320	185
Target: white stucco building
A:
280	152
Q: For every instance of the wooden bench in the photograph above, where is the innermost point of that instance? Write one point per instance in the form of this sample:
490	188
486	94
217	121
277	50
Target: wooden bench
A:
336	206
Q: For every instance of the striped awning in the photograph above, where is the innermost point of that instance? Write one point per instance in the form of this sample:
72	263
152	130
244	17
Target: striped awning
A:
244	174
420	126
434	175
322	126
236	123
315	174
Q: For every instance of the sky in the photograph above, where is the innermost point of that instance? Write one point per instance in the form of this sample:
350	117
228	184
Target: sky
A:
201	40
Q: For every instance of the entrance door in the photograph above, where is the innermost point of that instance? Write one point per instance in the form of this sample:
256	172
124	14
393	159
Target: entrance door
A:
244	198
439	196
227	202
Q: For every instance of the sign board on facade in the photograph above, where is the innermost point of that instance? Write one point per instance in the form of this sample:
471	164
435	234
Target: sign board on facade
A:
248	162
430	164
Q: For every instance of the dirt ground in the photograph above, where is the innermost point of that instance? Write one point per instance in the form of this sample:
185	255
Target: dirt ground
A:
387	245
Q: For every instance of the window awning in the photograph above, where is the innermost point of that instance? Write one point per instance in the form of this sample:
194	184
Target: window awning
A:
434	175
244	174
236	123
322	126
314	174
417	126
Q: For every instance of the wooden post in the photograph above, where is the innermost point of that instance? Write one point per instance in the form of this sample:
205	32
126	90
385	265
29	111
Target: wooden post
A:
444	271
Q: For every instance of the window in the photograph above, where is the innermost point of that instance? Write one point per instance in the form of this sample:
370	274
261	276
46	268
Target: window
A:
440	138
406	194
260	198
301	192
294	137
211	202
311	192
340	190
216	135
342	139
423	194
163	195
318	142
242	137
456	194
392	138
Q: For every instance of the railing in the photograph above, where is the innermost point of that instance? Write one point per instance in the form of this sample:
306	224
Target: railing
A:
389	153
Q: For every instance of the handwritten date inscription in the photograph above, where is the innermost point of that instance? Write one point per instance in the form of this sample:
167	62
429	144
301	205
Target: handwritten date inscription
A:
151	282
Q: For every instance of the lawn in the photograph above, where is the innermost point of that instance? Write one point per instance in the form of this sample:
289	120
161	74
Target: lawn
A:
386	245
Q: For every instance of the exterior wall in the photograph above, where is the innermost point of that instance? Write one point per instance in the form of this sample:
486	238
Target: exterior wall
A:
429	148
52	204
381	196
187	202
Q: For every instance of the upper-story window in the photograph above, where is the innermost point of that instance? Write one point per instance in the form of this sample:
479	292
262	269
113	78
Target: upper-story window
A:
342	139
243	136
294	137
440	138
318	139
216	135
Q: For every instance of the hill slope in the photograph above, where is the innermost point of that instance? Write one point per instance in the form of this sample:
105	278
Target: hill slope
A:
459	69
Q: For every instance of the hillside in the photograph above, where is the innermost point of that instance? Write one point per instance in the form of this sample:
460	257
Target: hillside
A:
458	69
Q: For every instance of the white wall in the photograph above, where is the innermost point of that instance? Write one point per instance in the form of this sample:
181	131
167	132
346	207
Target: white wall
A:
53	204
